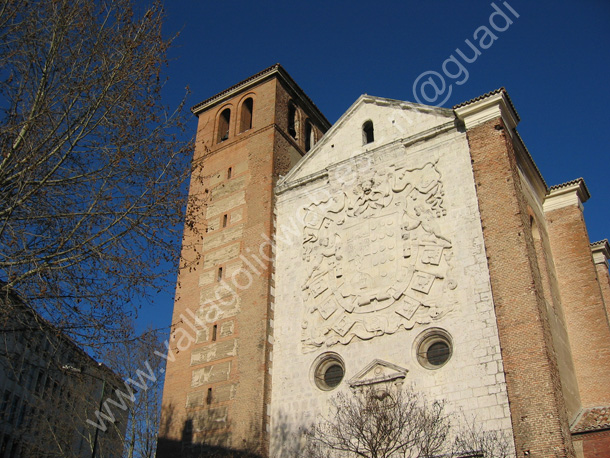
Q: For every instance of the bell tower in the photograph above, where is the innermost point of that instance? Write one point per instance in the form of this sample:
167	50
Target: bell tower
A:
217	385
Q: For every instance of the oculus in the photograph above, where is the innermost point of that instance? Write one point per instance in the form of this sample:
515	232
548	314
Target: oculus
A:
328	371
433	348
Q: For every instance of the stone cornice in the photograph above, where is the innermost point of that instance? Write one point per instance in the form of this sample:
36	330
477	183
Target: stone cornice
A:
601	252
492	106
571	193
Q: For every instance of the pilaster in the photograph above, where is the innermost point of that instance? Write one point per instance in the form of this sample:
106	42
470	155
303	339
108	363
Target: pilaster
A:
581	292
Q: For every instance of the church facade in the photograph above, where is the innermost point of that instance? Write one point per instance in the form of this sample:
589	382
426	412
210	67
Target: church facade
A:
411	245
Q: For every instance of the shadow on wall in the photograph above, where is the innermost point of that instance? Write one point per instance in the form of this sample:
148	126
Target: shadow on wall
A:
200	437
287	439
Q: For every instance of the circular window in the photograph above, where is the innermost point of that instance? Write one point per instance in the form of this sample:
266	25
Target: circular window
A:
328	371
333	375
433	348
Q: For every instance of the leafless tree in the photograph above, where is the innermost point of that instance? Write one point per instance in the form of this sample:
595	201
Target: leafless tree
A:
92	162
392	423
138	364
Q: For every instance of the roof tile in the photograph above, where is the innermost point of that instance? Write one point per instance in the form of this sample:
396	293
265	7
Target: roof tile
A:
592	419
489	94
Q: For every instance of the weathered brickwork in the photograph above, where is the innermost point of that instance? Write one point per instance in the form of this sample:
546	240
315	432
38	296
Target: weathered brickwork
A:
601	253
217	382
554	309
595	445
582	300
537	407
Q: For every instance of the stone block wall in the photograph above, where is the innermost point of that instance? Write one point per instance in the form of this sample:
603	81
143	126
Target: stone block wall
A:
335	214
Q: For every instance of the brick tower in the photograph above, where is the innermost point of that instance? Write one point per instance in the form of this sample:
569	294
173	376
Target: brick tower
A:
218	370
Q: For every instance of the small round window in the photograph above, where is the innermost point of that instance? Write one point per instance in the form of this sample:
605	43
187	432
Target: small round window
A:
434	348
328	371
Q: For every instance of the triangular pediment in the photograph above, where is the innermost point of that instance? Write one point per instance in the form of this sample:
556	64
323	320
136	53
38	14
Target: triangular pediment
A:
393	120
378	371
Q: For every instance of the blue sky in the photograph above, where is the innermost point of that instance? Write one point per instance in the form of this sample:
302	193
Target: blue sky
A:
553	60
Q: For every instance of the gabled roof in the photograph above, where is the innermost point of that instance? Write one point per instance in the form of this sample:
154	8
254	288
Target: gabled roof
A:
392	372
221	94
600	251
363	99
568	183
526	157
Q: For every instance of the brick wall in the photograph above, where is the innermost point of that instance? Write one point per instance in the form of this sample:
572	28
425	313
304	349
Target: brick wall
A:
595	445
601	252
218	384
534	388
555	316
582	300
604	284
234	212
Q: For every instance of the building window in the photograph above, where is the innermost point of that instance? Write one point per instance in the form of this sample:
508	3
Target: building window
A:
308	135
5	403
13	409
39	382
293	124
21	415
214	332
433	348
219	276
225	219
223	125
209	397
328	371
245	122
229	173
368	135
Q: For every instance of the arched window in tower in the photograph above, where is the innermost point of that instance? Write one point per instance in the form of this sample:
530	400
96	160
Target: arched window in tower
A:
223	125
309	139
293	123
245	123
368	135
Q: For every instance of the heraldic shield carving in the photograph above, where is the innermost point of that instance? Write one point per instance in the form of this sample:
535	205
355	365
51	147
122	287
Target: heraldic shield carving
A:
376	260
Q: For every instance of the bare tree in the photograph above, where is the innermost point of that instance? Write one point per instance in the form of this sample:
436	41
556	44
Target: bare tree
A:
383	423
139	365
92	163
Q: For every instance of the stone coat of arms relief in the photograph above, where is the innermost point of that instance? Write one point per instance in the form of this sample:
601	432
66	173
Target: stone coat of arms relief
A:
375	258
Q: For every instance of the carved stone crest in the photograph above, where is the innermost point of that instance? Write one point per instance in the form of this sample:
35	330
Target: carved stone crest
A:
376	260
